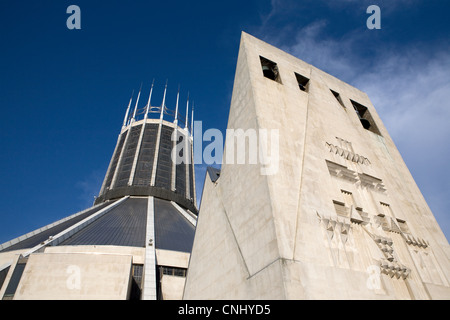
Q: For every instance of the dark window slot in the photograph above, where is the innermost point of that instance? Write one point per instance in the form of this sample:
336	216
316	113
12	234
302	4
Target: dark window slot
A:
338	97
270	69
302	81
365	117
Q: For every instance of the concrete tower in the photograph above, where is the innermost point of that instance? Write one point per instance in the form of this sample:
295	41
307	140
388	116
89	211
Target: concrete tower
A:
338	217
135	242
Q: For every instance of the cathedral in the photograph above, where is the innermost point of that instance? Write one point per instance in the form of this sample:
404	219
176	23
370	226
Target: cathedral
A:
336	215
135	241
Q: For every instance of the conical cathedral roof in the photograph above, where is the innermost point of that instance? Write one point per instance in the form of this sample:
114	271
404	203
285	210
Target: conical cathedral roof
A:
122	225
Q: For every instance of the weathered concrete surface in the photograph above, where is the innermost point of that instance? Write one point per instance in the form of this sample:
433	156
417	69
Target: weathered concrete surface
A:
75	276
342	218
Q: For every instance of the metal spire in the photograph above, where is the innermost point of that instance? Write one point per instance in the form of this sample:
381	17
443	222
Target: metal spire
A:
135	107
128	110
187	113
163	105
149	100
176	107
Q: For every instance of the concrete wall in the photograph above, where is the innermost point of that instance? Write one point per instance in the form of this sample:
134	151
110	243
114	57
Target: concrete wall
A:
136	253
172	287
72	276
172	258
6	258
90	272
235	236
146	257
283	235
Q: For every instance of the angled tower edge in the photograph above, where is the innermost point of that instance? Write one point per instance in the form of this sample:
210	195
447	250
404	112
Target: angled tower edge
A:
230	239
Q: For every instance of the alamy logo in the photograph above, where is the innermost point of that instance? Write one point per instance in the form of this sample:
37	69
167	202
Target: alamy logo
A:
73	281
74	20
248	146
374	21
374	280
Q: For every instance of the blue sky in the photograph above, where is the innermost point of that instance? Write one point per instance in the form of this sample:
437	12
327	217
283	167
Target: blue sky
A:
63	93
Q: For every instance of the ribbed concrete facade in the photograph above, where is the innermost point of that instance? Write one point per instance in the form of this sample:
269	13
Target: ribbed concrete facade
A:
142	160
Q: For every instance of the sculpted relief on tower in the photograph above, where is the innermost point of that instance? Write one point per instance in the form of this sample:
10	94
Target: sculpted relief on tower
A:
364	234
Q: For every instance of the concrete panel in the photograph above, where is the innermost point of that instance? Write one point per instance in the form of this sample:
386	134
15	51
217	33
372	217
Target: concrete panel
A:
75	276
172	287
137	253
172	258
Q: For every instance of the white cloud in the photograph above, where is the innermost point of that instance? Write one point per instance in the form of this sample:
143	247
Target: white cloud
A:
412	96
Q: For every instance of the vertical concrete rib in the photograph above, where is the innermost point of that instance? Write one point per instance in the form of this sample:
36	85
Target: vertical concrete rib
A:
155	159
138	147
136	154
119	162
194	193
158	139
174	157
102	189
174	145
149	286
187	158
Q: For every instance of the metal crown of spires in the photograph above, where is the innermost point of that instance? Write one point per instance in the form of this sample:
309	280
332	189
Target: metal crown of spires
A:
165	113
